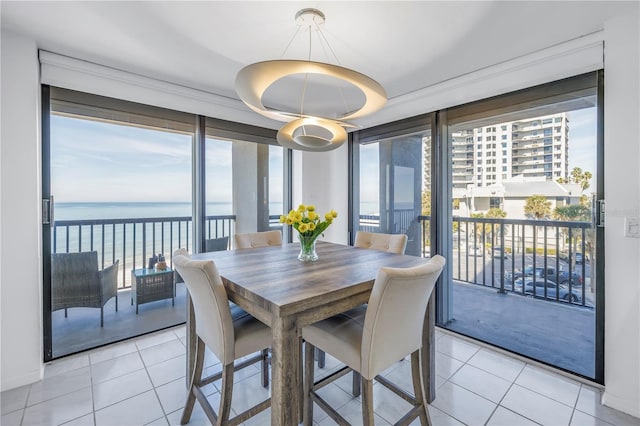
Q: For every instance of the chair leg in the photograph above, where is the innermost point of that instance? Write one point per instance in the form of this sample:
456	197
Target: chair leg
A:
307	414
367	402
355	384
264	364
195	377
65	312
417	388
225	394
102	317
321	357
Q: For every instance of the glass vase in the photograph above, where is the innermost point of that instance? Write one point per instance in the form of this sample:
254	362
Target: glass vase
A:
308	248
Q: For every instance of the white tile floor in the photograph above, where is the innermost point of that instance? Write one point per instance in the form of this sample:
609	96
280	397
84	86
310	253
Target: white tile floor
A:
142	382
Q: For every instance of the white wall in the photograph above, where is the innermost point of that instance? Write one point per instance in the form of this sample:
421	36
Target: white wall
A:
20	245
245	178
622	194
324	183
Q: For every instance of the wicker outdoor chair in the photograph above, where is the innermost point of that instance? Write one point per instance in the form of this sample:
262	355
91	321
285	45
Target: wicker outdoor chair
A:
76	282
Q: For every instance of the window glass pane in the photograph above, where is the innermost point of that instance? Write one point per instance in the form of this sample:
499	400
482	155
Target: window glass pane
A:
509	228
122	196
394	188
219	220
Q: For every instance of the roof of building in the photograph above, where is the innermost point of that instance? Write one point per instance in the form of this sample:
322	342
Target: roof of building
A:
516	189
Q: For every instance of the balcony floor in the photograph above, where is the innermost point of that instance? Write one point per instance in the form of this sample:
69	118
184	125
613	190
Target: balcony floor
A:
81	329
554	333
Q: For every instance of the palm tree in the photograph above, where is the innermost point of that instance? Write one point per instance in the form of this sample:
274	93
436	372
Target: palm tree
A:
580	177
537	207
493	228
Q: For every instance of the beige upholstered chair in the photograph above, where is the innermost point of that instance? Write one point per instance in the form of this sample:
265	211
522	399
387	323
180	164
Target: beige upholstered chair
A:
391	243
76	282
391	330
229	335
258	239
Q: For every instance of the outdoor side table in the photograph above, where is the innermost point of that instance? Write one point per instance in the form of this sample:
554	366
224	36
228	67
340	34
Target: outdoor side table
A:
149	285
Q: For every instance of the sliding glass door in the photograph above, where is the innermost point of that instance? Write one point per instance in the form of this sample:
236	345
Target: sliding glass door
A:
246	180
120	194
524	180
118	199
508	191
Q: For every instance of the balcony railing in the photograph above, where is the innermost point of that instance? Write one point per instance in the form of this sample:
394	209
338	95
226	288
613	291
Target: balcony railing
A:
133	241
509	254
488	252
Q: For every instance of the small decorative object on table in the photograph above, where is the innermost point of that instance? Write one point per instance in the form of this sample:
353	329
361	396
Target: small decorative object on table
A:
307	222
152	262
161	265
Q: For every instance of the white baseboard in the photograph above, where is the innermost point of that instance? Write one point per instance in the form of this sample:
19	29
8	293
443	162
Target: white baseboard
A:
625	405
26	379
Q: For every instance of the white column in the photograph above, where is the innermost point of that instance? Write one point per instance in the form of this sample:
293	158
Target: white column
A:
321	179
245	175
20	226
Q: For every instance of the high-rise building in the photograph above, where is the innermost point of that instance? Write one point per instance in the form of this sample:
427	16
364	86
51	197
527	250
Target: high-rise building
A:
536	148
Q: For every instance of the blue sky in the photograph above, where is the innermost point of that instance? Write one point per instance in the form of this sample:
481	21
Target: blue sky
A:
96	161
582	153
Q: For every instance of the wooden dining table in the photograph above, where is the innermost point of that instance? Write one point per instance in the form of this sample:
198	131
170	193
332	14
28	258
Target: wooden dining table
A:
286	294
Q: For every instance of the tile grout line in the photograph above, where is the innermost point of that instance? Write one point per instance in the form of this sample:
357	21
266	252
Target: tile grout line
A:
153	386
509	389
93	401
26	402
498	404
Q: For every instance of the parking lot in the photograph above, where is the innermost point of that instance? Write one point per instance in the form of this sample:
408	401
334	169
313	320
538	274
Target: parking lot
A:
492	269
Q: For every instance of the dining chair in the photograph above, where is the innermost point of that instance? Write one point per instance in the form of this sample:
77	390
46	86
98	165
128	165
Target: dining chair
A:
391	243
229	335
390	330
258	239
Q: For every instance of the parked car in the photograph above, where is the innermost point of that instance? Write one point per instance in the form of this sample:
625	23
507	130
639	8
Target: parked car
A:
580	258
498	252
553	289
550	273
474	251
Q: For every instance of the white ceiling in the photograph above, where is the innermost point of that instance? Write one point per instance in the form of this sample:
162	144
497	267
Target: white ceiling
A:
406	46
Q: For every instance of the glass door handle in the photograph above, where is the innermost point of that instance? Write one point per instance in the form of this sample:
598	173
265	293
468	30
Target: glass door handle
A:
47	210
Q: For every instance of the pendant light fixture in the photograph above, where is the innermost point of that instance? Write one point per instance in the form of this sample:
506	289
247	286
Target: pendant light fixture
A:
306	130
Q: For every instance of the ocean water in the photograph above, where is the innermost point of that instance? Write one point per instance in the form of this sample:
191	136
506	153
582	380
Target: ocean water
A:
133	244
124	210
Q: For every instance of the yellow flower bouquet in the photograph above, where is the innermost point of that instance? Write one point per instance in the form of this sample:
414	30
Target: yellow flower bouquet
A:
309	225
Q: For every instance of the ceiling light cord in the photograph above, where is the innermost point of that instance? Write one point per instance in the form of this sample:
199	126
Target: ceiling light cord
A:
295	33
